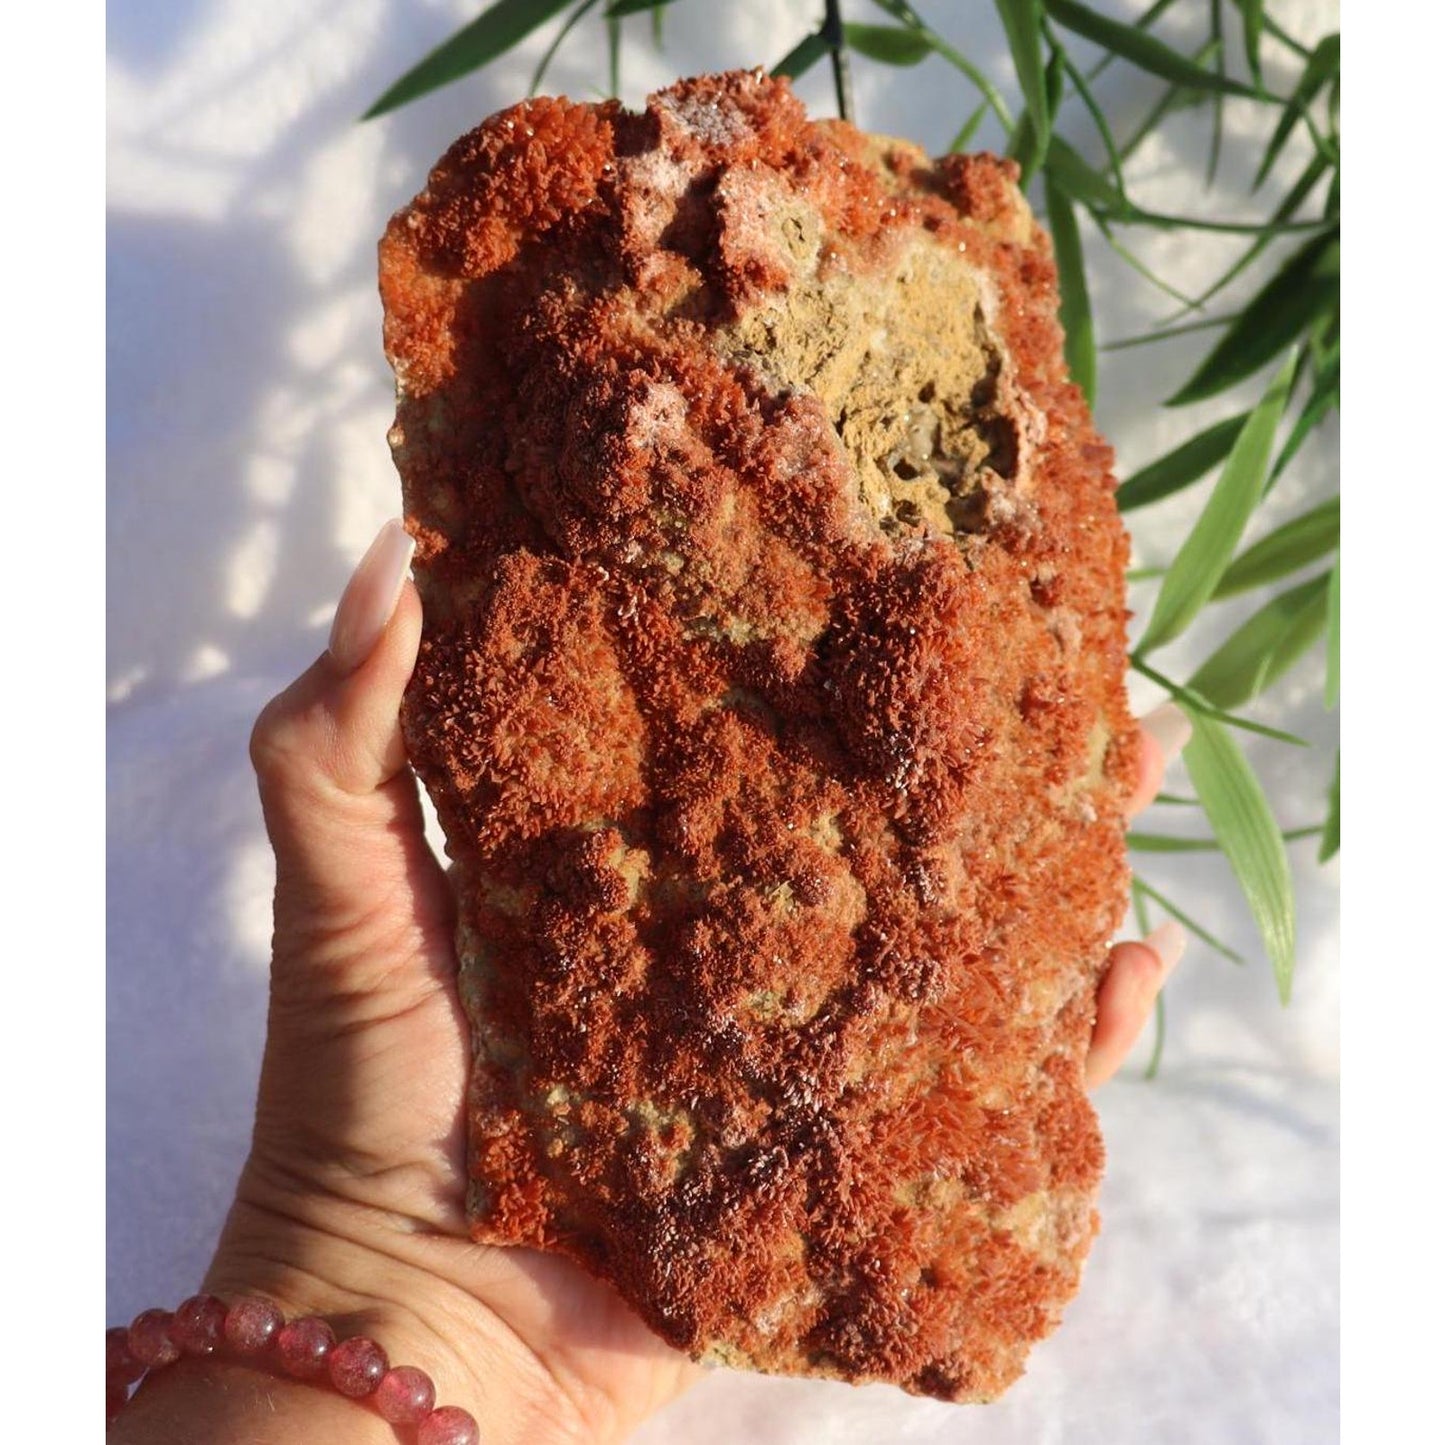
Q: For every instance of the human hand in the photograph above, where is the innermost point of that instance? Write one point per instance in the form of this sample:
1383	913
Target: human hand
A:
350	1204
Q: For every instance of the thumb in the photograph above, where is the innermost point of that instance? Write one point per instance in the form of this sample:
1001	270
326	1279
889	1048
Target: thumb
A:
340	803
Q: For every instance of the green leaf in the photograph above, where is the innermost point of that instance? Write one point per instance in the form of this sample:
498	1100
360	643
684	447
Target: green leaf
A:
1259	652
614	55
1332	651
803	56
1021	23
1284	308
891	44
1196	928
969	127
1176	97
563	32
1322	67
1165	843
1096	114
1252	12
1167	333
1074	313
901	10
1292	201
1081	182
1184	465
1323	399
1187	695
618	8
1142	49
1142	23
1216	130
1239	814
1205	553
496	30
1172	843
1151	1069
1330	842
1288	548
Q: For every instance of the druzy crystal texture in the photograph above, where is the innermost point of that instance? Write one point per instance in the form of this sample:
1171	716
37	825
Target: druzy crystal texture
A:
771	697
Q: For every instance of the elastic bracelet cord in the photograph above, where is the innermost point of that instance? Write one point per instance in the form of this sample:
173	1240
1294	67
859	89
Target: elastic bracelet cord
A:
254	1331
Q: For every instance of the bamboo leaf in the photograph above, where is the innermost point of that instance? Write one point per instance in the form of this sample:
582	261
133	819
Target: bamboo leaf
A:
1096	114
1288	548
1144	50
1323	399
1330	842
891	44
1172	843
903	11
1184	465
614	55
1202	559
1142	23
618	8
803	56
1021	24
1216	129
1292	201
1308	282
1176	97
1235	805
496	30
563	32
1323	66
1332	651
1074	313
1196	928
1259	652
1081	182
1183	695
1252	12
1168	333
969	127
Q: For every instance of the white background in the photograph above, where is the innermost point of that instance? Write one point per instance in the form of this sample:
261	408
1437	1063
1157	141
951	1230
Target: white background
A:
247	407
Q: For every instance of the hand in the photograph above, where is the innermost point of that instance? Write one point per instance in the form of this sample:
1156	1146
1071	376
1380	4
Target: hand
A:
1136	971
350	1204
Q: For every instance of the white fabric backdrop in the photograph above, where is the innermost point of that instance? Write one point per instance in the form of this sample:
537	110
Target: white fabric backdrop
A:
248	402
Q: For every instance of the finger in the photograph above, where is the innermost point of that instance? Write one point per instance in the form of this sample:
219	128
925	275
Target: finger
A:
341	807
1135	974
1162	736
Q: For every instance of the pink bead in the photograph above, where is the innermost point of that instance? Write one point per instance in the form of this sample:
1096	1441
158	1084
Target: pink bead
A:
304	1345
448	1426
405	1395
150	1340
251	1324
197	1323
121	1367
356	1366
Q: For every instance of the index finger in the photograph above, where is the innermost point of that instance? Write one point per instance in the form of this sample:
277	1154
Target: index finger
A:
1162	735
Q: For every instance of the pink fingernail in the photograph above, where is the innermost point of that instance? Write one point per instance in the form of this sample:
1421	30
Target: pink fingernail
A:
1168	942
1169	727
370	597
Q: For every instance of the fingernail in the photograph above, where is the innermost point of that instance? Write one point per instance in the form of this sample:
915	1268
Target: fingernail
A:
1168	942
370	597
1169	727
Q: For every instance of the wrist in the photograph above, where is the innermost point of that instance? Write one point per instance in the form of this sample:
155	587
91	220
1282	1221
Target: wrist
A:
333	1259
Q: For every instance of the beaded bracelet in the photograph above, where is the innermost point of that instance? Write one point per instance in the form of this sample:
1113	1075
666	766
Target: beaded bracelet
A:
253	1329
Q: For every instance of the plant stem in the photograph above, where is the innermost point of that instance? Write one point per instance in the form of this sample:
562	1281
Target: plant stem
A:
842	75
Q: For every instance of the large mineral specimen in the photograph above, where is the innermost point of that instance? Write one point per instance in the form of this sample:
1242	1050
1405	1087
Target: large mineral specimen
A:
771	697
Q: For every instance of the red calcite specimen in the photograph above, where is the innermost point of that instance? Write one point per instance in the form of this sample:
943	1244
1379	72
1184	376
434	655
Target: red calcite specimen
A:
771	697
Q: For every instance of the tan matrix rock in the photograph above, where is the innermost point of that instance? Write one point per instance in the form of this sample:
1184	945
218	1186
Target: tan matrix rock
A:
771	696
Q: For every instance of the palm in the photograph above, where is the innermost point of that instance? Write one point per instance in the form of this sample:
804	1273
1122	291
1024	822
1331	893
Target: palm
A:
379	1076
